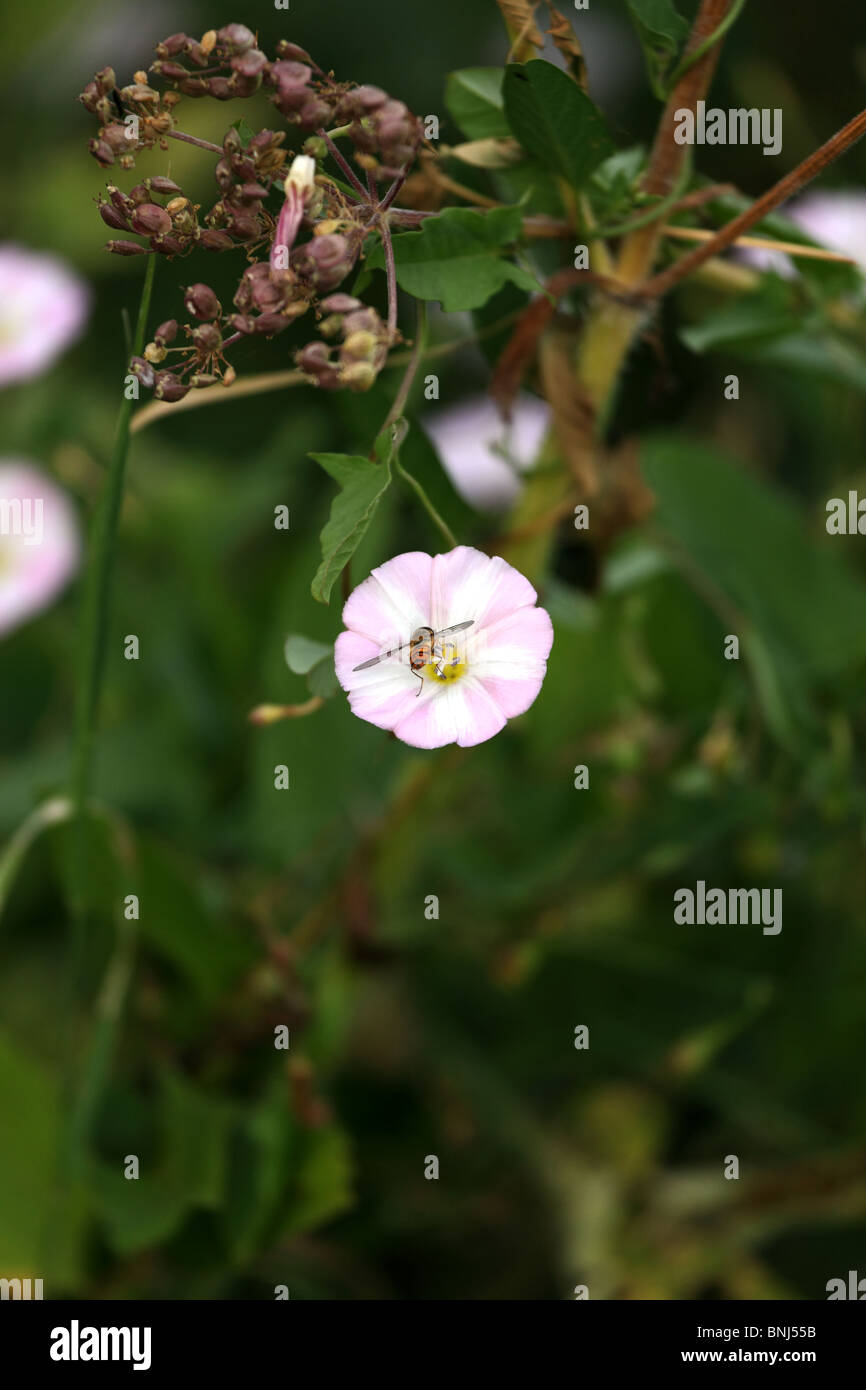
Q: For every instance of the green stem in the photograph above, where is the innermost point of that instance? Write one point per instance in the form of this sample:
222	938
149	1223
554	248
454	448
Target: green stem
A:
97	583
711	39
52	812
426	503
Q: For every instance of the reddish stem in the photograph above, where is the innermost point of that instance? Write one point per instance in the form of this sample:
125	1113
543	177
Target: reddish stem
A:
194	140
347	169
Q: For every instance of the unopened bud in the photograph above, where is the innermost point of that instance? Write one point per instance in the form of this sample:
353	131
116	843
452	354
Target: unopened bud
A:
359	376
166	333
101	151
169	387
149	219
207	338
143	370
214	240
301	175
359	345
160	184
201	302
126	248
112	218
236	37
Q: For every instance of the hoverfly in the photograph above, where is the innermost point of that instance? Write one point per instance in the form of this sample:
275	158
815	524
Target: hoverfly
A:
425	649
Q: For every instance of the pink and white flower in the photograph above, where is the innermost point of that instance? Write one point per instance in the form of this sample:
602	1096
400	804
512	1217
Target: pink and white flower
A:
482	455
478	678
39	542
43	308
298	188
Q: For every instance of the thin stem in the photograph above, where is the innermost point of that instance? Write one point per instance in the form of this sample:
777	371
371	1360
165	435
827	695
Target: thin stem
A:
391	274
346	168
216	395
767	203
702	48
194	140
97	584
426	503
415	357
393	190
52	812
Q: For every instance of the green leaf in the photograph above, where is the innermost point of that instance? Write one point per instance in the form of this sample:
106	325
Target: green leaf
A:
473	97
803	610
324	1184
456	258
661	30
322	680
362	486
29	1105
555	121
244	130
191	1171
302	653
755	317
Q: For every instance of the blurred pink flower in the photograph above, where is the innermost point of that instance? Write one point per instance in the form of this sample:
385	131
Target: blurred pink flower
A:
476	678
471	439
43	307
39	542
835	220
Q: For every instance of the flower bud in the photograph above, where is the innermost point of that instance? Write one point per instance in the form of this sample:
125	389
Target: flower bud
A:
325	261
219	87
106	80
143	370
315	113
114	136
138	91
207	338
174	44
154	353
166	333
242	323
169	387
166	245
359	346
193	86
271	324
202	379
236	38
214	240
126	248
101	151
163	185
301	175
149	219
166	68
359	376
249	64
293	51
200	301
112	218
340	304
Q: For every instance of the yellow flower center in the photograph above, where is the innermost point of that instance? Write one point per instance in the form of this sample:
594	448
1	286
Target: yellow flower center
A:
447	665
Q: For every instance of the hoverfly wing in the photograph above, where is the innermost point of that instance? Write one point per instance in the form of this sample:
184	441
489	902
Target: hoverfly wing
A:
456	627
374	660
